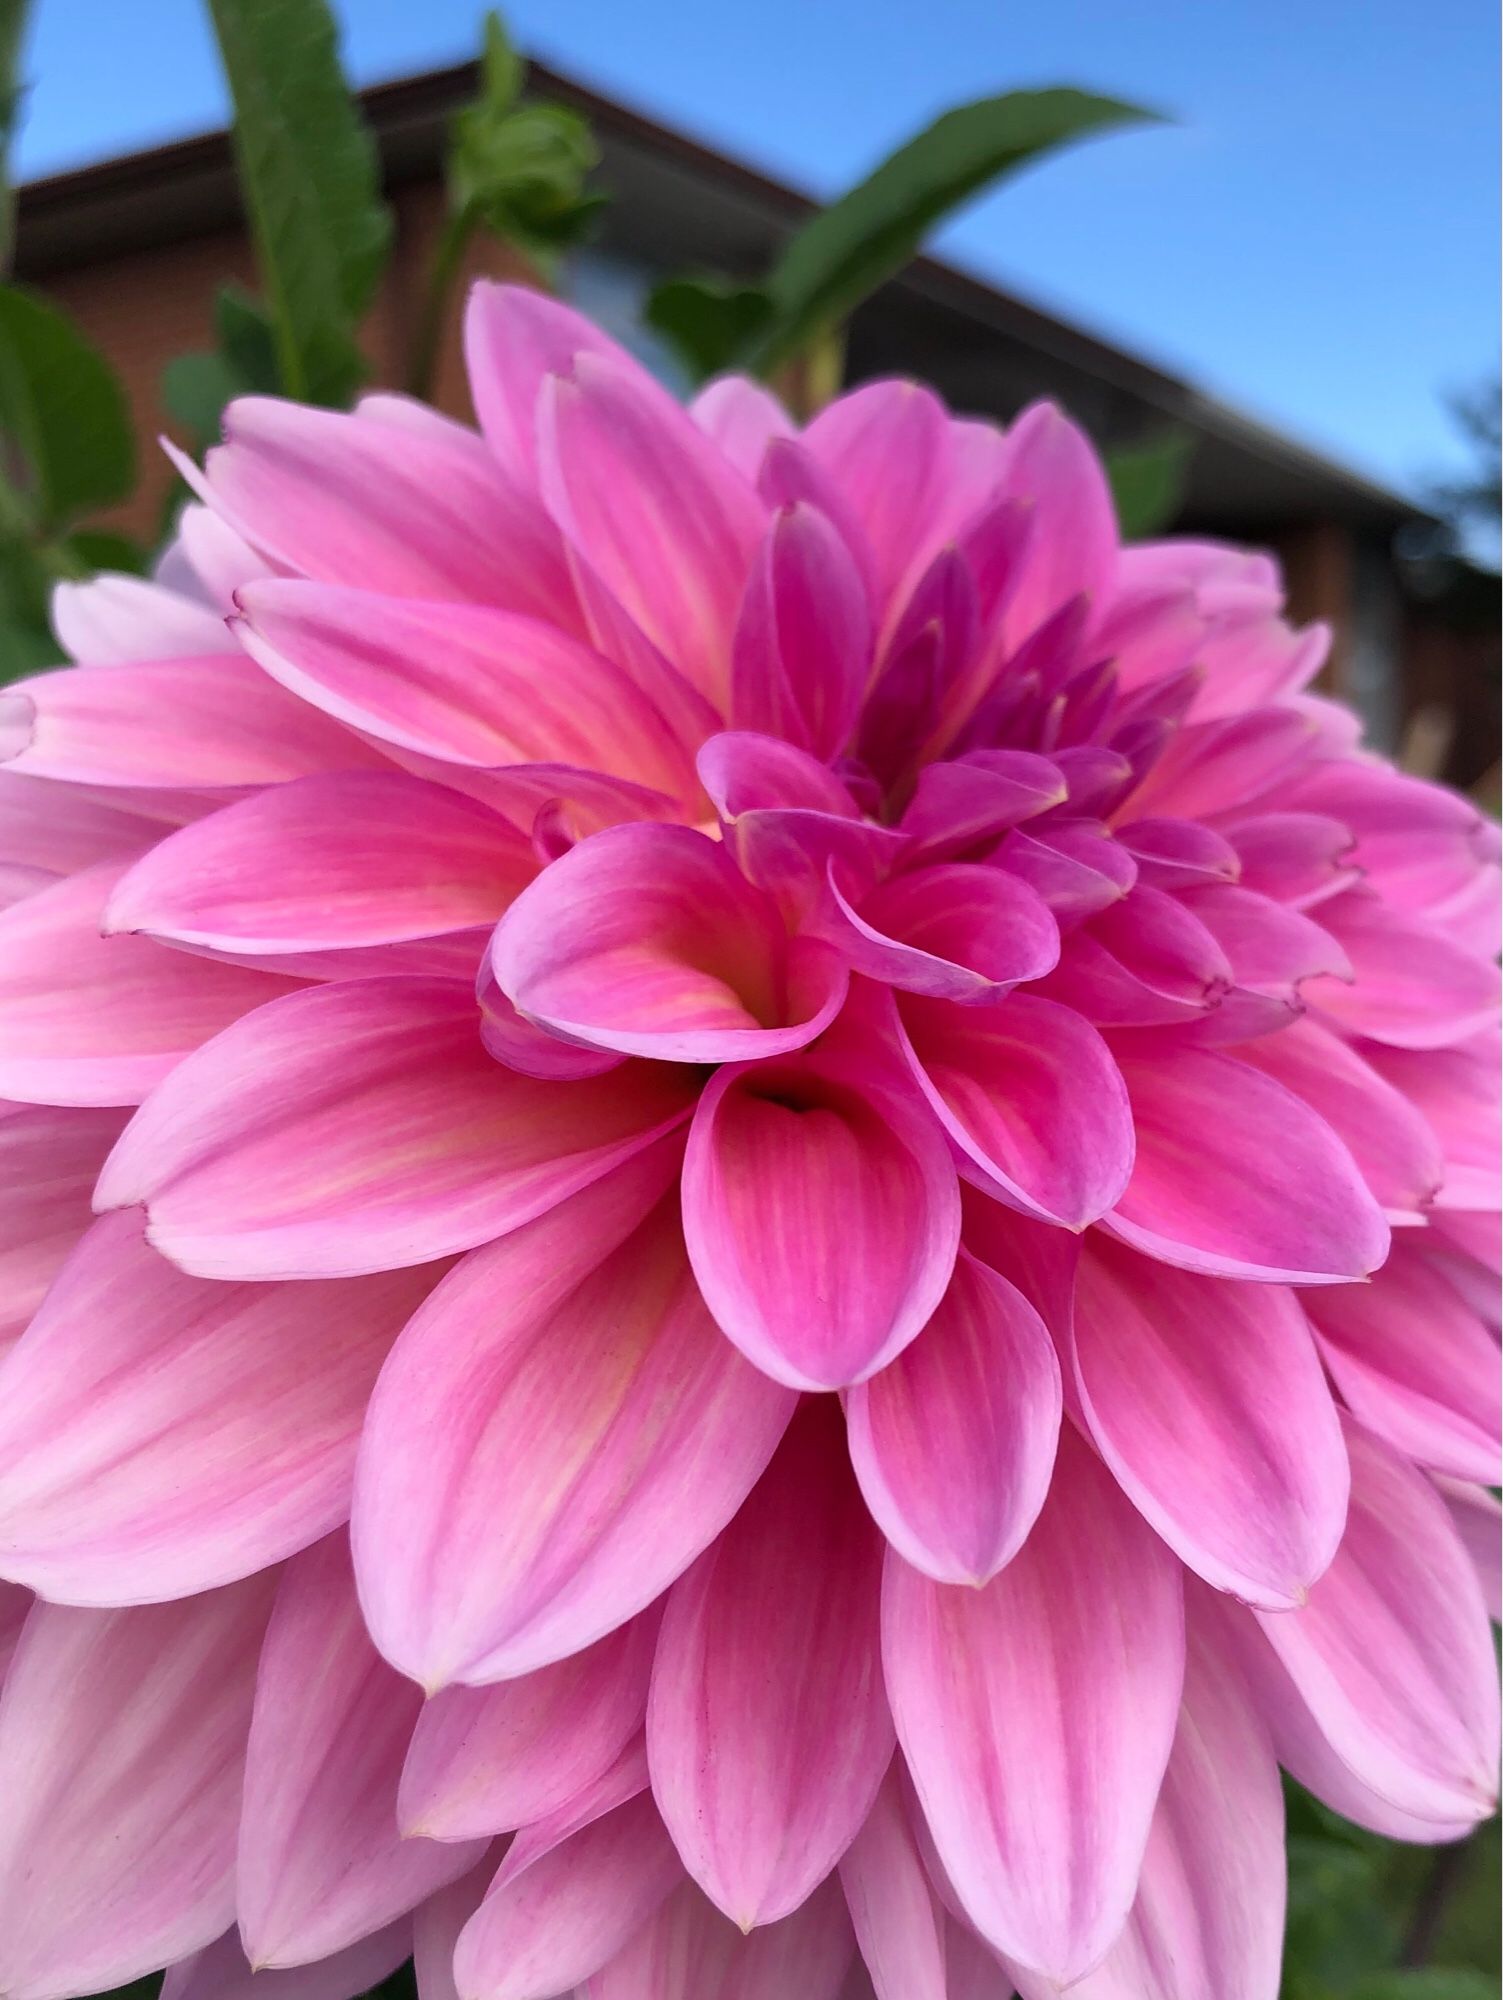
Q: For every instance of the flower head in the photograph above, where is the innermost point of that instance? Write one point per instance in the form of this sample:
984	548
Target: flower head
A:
846	1128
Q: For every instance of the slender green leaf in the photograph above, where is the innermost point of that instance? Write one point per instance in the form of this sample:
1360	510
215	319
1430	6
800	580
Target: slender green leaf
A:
309	174
852	247
1148	483
195	389
65	434
248	342
13	15
709	321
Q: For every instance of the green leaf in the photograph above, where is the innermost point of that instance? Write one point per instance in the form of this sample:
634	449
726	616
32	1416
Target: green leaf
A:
248	341
1424	1982
709	321
309	174
12	33
852	247
66	445
195	389
1148	483
501	68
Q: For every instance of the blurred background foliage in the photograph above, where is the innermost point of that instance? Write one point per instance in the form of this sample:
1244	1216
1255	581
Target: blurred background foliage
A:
1368	1920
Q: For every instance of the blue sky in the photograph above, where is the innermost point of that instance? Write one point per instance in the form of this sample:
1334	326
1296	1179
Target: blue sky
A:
1316	239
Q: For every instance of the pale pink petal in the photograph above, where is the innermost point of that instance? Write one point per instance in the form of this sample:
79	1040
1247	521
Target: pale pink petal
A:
217	560
626	1778
486	1759
690	1952
115	618
547	1929
160	1434
203	724
1415	1363
801	653
953	1442
465	684
1393	1654
743	418
677	557
1479	1522
899	1924
122	1747
514	339
579	1475
1037	1714
222	1971
1208	1402
321	1860
413	511
767	1727
49	1161
1029	1093
649	940
821	1216
365	858
1236	1177
91	1020
47	830
436	1925
308	1143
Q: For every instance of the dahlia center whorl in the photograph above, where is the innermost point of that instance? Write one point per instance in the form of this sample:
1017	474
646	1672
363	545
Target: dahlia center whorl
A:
749	1200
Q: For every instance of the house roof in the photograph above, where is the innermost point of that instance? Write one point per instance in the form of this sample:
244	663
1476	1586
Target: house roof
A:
679	205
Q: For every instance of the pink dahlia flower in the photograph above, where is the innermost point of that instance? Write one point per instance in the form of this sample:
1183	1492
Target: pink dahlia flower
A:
851	1136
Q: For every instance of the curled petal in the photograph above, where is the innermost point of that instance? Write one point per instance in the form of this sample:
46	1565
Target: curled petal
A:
954	1441
955	931
580	1475
821	1217
961	805
767	1729
649	940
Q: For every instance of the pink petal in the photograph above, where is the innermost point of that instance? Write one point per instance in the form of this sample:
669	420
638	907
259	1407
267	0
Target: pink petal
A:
410	510
1478	1520
49	1161
547	1929
1455	1092
802	649
899	1924
956	931
122	1745
463	683
821	1216
960	805
514	339
954	1441
1415	987
201	724
47	830
321	1860
222	1972
1037	1714
1073	547
743	418
394	1162
1393	1654
1270	948
767	1727
437	1923
580	1476
1077	870
678	556
92	1020
162	1435
361	859
1415	1363
126	618
649	940
1236	1177
1236	1457
1214	767
1029	1093
1300	858
857	440
485	1759
690	1952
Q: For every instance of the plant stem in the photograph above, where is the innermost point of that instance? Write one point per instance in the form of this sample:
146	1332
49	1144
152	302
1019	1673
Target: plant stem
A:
423	356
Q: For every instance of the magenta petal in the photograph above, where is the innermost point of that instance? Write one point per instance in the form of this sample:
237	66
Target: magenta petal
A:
486	1759
856	440
821	1216
161	1435
1029	1093
1073	546
1236	1177
1415	1363
688	1951
122	1745
91	1020
580	1476
1236	1456
321	1861
1393	1654
360	859
743	418
767	1728
958	806
221	1971
899	1924
802	650
955	931
394	1162
649	940
514	338
954	1441
1037	1715
543	1931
